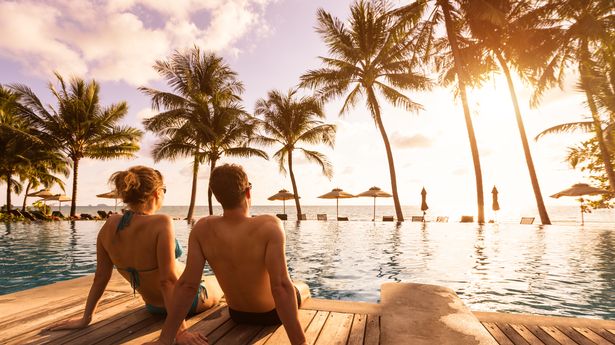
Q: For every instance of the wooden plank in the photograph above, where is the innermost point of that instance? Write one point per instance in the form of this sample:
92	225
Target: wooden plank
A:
497	334
314	328
605	334
264	335
539	320
102	318
589	334
558	335
512	334
280	337
357	330
372	330
219	332
122	328
576	336
527	335
336	329
342	306
542	335
24	329
240	334
152	332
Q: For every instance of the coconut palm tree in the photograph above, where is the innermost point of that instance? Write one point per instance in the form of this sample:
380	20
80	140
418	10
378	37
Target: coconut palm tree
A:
290	120
585	34
501	30
198	115
43	170
367	58
79	126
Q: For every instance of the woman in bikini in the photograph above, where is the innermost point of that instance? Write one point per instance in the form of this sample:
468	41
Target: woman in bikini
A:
142	246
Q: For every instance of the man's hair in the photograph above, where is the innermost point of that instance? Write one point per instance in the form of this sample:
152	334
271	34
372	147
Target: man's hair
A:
229	182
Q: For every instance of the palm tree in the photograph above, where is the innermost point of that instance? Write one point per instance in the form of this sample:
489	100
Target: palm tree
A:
202	118
42	172
501	29
289	120
368	58
584	36
80	127
449	51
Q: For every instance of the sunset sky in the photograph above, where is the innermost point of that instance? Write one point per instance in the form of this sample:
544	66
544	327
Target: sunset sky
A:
270	44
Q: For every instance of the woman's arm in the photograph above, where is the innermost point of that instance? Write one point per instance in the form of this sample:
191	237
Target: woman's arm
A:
104	268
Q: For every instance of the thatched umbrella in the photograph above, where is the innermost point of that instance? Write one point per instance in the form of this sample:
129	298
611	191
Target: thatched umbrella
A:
43	193
580	189
495	205
110	195
375	192
283	195
337	194
60	198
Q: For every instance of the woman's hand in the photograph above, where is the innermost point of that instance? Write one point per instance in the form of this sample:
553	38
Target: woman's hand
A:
69	324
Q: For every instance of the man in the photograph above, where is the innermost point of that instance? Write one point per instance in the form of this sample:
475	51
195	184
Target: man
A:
247	256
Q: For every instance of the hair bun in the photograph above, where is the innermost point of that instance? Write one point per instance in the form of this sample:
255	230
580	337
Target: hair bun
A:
137	184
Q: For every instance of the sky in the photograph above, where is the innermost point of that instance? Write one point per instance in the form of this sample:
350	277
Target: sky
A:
270	43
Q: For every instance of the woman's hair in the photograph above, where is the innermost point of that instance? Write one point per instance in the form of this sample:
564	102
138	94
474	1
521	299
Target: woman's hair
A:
137	184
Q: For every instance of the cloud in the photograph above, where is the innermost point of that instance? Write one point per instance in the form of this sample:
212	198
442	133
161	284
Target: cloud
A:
146	113
203	171
120	39
415	141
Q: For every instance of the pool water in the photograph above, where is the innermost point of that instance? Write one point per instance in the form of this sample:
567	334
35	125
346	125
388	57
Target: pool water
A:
550	270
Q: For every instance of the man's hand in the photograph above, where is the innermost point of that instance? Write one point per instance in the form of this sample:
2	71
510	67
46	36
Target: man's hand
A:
68	324
191	338
184	338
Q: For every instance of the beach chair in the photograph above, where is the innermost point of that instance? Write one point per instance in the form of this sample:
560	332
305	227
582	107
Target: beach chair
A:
342	219
388	218
282	216
527	220
418	218
467	219
86	216
303	216
321	216
28	215
39	215
57	214
441	219
102	214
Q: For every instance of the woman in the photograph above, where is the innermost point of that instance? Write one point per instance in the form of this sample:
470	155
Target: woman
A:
142	246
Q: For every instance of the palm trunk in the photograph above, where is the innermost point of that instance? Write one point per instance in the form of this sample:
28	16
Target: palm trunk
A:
542	211
604	150
209	192
372	99
25	196
73	202
195	174
294	183
9	176
461	78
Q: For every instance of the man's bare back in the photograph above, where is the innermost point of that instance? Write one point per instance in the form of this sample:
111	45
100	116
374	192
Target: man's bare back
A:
236	249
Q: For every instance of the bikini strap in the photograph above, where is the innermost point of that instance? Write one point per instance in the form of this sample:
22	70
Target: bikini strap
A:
125	220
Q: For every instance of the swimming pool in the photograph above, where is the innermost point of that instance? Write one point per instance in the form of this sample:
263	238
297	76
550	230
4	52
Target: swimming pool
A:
550	270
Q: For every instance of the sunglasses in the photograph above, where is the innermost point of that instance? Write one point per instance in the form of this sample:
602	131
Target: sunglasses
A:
164	189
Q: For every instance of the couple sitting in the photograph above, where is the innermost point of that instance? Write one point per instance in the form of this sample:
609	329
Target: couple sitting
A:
246	254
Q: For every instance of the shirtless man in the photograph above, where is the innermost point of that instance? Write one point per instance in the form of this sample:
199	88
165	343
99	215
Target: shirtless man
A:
248	258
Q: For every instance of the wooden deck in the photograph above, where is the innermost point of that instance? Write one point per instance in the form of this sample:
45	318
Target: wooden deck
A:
122	319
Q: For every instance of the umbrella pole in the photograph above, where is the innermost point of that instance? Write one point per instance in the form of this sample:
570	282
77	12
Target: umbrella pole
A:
284	206
337	208
373	220
582	217
115	207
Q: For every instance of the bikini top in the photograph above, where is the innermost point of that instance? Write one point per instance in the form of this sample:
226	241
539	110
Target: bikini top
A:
134	273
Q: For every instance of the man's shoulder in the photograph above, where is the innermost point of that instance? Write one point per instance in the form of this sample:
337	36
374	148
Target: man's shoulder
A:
203	223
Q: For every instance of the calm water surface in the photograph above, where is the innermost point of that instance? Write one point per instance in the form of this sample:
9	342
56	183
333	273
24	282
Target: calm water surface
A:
551	270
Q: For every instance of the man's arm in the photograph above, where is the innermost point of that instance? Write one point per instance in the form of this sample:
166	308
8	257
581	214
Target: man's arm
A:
281	286
185	289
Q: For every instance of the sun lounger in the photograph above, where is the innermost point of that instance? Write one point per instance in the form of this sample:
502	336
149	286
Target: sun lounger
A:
418	218
102	214
282	216
342	219
441	219
86	216
321	216
527	220
388	218
57	214
467	219
303	217
28	215
39	215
